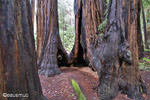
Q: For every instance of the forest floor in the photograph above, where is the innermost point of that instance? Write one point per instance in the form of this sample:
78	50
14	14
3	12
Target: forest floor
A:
60	87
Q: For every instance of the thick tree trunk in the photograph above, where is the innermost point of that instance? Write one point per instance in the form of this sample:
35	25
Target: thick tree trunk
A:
110	55
18	68
52	54
101	54
78	55
145	31
79	50
130	81
139	33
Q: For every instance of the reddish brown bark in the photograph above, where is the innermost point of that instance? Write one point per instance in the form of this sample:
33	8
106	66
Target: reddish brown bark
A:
52	54
130	80
111	55
40	28
78	54
18	68
33	10
103	55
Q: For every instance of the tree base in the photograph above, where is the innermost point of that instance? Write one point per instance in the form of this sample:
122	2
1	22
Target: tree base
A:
43	98
51	71
134	91
108	87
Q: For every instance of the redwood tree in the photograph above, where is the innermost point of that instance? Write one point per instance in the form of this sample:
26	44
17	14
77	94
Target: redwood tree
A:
115	56
130	77
18	68
145	30
139	33
78	55
117	68
50	50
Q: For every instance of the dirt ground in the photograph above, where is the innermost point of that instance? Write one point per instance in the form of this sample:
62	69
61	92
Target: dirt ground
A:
59	87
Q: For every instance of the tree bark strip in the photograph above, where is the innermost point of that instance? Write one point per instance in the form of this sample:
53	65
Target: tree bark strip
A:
33	10
40	28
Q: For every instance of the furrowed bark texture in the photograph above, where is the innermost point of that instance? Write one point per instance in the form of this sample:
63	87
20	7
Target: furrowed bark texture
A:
103	55
52	54
33	10
115	62
139	33
130	80
78	54
40	28
18	69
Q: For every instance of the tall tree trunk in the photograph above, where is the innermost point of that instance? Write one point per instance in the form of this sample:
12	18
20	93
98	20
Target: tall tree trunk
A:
139	33
18	68
40	28
145	31
78	55
130	81
52	54
117	68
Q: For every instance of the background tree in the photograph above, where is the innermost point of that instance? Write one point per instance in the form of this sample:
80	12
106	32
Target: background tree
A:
18	68
139	33
146	12
145	30
52	54
78	55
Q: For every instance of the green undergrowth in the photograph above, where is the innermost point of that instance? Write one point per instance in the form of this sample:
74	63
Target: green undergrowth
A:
78	91
145	64
147	50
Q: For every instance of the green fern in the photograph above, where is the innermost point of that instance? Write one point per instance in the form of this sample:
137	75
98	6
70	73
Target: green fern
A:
78	91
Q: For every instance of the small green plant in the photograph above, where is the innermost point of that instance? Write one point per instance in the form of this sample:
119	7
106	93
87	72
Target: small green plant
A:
145	64
78	91
147	50
102	26
146	59
101	35
142	66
